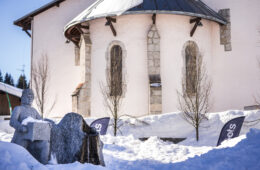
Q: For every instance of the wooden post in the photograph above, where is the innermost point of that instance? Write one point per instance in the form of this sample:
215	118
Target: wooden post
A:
197	23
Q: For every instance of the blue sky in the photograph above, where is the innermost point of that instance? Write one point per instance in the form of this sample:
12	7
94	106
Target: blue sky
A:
15	44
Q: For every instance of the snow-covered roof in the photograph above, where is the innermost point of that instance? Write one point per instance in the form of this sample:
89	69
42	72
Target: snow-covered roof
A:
11	89
103	8
106	8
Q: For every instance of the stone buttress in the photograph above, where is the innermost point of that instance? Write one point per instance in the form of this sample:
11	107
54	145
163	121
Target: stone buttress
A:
81	97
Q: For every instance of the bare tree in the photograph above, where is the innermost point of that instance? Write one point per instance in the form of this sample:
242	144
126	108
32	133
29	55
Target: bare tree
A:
40	79
113	104
113	90
194	100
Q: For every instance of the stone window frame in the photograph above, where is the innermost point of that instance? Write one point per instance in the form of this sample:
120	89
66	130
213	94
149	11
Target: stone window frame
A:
186	44
108	62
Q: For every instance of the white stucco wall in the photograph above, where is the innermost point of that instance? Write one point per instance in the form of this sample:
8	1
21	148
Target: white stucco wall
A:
48	39
235	74
175	32
132	30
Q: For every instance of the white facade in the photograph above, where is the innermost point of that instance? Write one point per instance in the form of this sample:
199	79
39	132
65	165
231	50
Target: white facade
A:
48	39
234	74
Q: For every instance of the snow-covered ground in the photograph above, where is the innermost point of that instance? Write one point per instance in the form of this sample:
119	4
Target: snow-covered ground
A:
127	152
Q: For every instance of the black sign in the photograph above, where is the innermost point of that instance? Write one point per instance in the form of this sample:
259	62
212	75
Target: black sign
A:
231	129
101	125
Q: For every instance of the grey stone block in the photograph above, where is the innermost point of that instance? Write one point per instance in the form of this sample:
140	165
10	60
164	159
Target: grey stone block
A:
253	107
38	131
156	55
153	28
228	47
156	35
150	63
225	30
73	140
151	47
150	34
157	63
157	47
156	92
77	56
156	40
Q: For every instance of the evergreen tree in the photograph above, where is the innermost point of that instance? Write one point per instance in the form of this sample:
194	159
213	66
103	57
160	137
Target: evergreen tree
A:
9	79
1	77
22	82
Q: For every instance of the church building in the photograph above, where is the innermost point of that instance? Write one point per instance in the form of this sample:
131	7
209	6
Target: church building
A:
141	50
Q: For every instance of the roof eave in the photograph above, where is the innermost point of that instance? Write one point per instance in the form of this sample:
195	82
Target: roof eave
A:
220	21
25	21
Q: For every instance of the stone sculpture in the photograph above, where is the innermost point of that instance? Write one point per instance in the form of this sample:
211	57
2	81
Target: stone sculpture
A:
73	140
69	141
38	148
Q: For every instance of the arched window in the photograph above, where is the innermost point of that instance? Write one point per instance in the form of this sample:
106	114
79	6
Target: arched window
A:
116	71
191	51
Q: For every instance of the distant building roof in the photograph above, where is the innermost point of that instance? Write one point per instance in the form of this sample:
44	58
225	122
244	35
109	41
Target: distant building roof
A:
10	89
108	8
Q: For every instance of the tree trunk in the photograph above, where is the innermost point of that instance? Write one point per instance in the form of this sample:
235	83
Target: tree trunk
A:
197	133
115	118
115	125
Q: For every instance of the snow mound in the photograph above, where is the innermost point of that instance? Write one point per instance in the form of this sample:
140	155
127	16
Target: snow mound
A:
173	125
5	127
164	125
125	152
15	157
245	155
